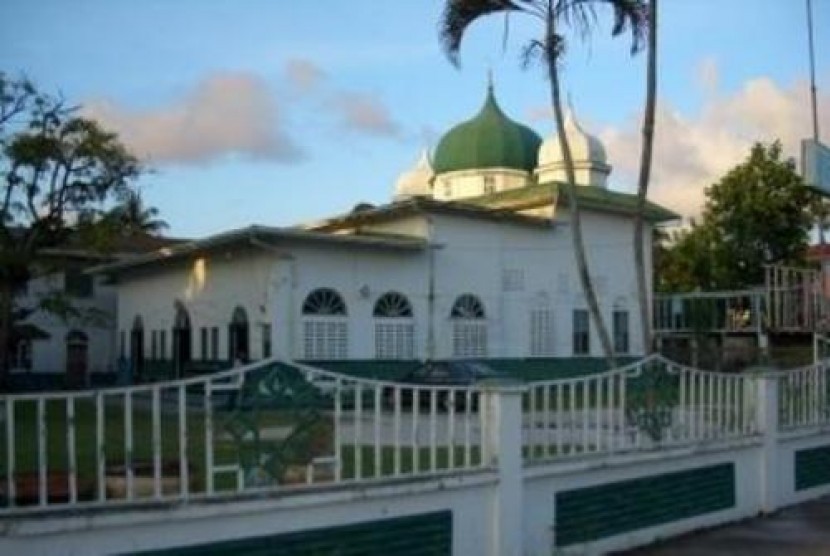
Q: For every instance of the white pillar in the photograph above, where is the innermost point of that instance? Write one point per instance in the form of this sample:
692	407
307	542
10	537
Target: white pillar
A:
284	323
502	449
767	415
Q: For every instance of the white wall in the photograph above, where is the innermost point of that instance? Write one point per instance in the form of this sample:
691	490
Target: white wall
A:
470	256
477	253
116	532
471	183
542	484
209	287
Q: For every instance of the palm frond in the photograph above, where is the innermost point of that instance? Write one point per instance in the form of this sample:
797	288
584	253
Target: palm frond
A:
634	15
580	15
459	14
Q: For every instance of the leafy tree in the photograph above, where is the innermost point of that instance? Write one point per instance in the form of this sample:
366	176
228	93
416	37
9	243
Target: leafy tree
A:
549	48
58	172
759	213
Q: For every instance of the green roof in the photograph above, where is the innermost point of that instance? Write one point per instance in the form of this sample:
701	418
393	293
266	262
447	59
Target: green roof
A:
489	140
425	205
589	196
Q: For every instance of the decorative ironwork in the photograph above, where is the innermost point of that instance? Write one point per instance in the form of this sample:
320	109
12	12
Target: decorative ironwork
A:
276	449
652	398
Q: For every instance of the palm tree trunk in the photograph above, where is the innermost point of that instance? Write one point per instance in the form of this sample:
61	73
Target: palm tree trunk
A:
643	293
576	220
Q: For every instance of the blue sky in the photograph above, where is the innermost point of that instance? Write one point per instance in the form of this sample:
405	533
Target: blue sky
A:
282	112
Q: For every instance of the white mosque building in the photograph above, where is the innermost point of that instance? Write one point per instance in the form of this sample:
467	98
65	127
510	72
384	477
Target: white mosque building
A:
472	258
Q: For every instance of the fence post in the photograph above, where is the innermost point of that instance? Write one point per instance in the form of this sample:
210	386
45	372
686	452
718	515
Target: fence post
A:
502	449
767	397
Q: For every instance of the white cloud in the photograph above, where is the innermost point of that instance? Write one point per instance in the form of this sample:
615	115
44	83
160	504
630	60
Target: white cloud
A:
692	153
226	113
304	75
363	113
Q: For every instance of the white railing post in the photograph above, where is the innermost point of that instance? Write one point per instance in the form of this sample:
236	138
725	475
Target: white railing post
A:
502	449
767	418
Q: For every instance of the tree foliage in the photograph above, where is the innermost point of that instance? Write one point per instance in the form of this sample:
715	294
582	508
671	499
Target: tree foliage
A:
132	216
59	173
759	213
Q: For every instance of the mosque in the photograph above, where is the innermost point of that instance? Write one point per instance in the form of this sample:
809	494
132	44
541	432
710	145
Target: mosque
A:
472	258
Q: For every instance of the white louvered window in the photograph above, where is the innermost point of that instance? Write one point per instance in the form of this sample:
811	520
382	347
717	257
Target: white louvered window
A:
325	325
395	340
469	327
394	327
541	332
325	338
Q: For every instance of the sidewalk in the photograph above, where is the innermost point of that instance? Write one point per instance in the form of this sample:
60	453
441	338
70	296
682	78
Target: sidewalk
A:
802	530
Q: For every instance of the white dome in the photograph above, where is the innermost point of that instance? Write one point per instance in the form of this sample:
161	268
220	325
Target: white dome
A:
415	182
587	152
584	147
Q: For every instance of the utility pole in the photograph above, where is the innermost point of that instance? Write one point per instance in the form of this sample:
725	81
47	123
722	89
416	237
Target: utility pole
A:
812	69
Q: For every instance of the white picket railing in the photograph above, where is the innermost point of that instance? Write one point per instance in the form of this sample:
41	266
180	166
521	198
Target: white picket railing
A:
651	403
266	425
804	397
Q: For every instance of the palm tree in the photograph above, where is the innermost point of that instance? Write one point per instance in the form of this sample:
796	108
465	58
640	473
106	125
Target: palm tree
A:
549	48
134	217
642	185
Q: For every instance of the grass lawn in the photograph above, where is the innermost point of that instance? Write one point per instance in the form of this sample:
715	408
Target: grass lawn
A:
404	460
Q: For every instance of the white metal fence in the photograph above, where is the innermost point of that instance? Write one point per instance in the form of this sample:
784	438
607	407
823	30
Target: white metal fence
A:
275	425
267	425
653	402
804	397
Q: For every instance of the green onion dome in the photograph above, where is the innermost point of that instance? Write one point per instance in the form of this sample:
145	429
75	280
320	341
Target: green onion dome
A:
489	140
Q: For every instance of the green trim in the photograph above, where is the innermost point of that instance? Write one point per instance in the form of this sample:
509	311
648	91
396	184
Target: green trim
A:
418	535
589	197
601	511
812	467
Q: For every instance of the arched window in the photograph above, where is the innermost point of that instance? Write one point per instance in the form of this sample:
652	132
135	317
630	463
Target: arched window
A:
467	306
238	336
394	327
325	326
469	335
77	357
182	339
392	305
182	319
324	301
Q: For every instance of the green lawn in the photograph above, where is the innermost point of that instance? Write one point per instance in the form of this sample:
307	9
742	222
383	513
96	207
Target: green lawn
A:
226	451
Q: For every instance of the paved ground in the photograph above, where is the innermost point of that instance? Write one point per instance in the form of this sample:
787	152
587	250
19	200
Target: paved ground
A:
802	530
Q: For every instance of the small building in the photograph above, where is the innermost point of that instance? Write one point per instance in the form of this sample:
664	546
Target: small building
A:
473	258
65	335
